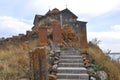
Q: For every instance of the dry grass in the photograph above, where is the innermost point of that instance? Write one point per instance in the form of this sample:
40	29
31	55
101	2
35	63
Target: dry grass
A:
14	61
111	67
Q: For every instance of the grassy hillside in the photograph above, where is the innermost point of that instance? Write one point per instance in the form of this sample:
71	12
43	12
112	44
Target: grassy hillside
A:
14	60
13	63
104	62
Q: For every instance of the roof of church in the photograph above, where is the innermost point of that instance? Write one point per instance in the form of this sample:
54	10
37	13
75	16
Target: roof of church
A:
54	11
67	10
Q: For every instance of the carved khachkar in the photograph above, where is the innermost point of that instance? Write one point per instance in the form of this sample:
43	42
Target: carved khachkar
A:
38	64
42	32
57	32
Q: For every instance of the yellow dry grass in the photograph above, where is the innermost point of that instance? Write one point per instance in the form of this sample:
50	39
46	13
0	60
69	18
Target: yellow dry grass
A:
14	60
110	66
13	63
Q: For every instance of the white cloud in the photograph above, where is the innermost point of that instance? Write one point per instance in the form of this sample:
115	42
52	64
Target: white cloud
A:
11	26
116	27
109	35
109	40
90	7
95	7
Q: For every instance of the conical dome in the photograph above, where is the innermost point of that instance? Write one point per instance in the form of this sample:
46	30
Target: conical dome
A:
55	10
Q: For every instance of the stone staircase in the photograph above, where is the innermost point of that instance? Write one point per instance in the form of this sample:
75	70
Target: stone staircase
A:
71	65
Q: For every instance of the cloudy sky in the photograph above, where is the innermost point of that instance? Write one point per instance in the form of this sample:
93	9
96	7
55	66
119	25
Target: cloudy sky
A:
103	17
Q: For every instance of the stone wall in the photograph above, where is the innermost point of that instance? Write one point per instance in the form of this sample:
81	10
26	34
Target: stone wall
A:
30	35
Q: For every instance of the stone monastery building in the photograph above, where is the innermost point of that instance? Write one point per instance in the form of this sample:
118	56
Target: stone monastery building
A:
64	17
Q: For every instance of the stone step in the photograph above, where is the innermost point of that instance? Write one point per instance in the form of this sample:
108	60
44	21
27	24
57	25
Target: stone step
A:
69	49
77	54
72	70
71	61
72	79
71	57
71	65
72	76
73	51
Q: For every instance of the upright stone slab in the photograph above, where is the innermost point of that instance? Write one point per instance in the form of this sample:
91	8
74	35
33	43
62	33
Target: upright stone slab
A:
42	33
38	64
56	32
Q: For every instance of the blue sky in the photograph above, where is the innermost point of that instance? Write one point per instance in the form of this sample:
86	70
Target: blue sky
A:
103	17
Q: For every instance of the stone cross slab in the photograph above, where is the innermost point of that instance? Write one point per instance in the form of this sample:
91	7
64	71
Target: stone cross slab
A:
42	33
38	64
57	37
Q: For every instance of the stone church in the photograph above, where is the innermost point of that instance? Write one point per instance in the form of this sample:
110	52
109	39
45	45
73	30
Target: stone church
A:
64	17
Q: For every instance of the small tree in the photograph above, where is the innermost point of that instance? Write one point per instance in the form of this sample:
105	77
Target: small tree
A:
108	51
95	42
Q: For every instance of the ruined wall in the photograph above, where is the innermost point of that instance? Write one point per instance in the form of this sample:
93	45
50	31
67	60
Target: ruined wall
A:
21	38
